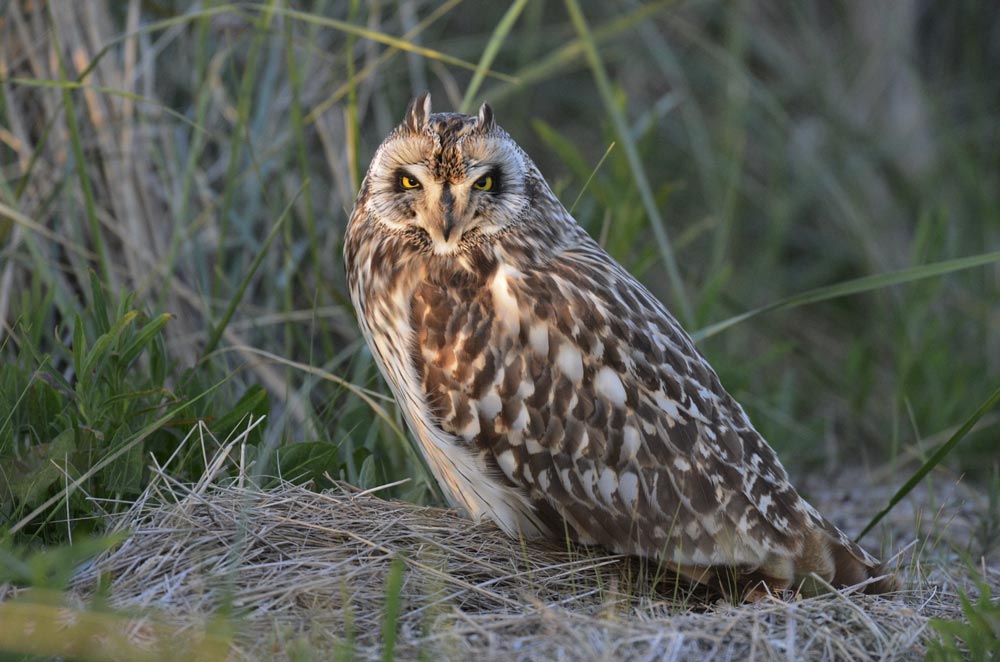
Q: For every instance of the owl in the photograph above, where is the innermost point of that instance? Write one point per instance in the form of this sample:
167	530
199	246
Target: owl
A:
548	390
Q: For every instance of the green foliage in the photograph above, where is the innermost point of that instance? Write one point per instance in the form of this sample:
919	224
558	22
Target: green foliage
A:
393	605
58	427
304	461
52	567
939	455
975	638
82	420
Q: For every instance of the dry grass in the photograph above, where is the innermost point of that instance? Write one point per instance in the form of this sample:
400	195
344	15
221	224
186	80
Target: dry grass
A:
293	571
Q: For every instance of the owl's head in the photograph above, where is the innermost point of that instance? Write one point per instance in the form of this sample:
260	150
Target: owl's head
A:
447	181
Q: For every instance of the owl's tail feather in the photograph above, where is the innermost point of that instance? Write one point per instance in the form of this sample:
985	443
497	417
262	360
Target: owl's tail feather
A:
839	562
828	558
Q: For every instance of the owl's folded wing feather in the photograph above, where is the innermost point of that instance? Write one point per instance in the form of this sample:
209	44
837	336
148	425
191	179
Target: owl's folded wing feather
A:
587	394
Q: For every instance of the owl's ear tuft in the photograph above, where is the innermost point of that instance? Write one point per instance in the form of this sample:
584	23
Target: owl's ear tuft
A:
418	112
485	122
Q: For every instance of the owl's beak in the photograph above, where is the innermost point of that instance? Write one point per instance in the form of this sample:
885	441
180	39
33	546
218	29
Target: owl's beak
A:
446	230
449	219
451	226
448	226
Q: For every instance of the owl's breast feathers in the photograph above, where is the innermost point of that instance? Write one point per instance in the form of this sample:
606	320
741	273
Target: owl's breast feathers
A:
571	384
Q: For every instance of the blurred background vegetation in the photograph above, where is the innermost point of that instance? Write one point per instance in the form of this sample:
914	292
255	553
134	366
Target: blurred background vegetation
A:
175	180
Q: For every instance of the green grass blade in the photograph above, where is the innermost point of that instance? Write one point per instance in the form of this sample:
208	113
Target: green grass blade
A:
161	26
383	58
198	142
20	398
79	345
144	337
383	38
298	126
490	52
76	143
934	460
213	339
393	603
99	350
366	396
70	85
632	154
301	160
17	217
100	304
568	55
855	286
593	174
241	135
353	125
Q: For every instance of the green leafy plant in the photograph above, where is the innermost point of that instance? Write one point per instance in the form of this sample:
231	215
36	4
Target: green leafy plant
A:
83	418
975	638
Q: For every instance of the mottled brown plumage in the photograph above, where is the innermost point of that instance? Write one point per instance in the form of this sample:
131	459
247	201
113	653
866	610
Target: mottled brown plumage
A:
547	388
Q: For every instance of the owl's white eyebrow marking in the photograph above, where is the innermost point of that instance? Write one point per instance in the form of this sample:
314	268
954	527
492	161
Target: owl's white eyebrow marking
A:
481	168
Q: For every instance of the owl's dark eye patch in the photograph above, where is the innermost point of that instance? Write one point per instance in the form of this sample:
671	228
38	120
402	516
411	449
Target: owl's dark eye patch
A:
406	182
489	183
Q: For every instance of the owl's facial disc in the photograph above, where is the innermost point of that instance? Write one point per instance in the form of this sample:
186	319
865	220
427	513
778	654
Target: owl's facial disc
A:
450	209
457	178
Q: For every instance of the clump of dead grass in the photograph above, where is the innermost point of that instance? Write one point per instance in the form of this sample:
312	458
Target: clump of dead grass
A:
287	572
290	569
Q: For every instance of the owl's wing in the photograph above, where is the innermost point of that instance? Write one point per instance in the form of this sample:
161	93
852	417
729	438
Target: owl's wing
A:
586	393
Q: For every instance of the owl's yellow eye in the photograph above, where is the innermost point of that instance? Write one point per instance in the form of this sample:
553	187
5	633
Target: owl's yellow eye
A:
408	182
483	183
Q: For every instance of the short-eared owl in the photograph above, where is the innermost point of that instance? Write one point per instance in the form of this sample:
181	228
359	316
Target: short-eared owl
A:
547	388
